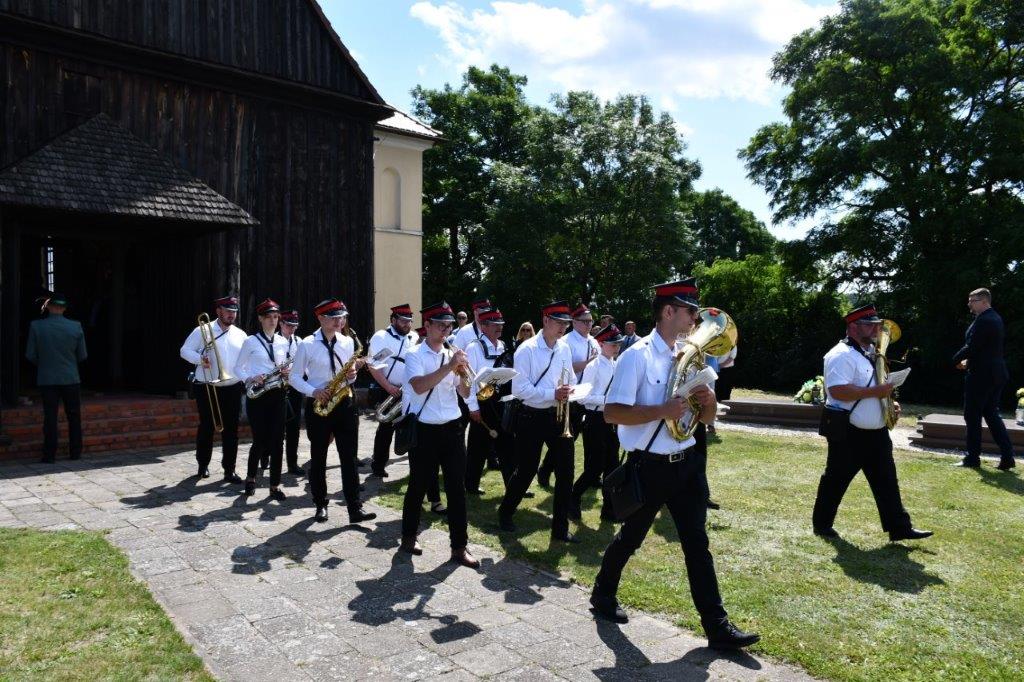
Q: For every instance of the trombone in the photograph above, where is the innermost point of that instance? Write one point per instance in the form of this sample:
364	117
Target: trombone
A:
209	341
562	411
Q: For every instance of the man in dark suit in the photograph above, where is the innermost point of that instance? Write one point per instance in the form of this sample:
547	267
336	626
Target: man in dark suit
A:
982	357
55	346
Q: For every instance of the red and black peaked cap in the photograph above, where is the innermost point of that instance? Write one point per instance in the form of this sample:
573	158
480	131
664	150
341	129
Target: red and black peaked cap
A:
557	310
330	307
683	292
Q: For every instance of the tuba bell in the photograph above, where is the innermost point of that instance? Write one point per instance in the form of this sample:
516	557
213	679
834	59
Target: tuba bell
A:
890	333
715	334
389	408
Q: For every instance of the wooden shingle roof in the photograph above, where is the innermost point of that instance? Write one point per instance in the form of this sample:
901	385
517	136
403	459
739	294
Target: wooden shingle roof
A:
99	167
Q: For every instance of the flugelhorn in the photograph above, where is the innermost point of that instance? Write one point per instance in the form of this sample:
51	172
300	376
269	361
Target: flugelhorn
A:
562	411
210	341
463	371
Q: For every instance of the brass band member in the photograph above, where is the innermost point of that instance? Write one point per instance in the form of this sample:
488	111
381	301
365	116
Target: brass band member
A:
434	379
399	337
670	472
320	358
545	378
485	416
293	408
262	354
228	339
600	441
863	443
469	332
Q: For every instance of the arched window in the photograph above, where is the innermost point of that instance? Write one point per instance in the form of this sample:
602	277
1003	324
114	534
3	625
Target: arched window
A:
391	199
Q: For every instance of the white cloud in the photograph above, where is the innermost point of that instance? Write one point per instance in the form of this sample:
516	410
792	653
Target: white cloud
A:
668	49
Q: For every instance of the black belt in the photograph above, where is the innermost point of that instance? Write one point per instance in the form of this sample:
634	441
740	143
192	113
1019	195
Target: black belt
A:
538	410
671	458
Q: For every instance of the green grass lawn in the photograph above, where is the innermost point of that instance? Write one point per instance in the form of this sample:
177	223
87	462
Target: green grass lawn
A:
69	610
949	607
911	412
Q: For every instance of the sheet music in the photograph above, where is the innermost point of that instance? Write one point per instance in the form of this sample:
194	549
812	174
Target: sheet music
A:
377	361
495	375
703	377
897	378
579	392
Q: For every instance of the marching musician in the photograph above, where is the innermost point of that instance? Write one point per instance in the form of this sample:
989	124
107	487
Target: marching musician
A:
433	378
319	359
400	339
485	416
293	407
670	472
468	332
228	339
863	443
261	355
600	441
545	377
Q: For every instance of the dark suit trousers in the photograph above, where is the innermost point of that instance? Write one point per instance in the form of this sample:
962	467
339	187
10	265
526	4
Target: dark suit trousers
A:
382	446
981	399
482	447
292	424
71	397
343	424
680	487
870	451
266	417
600	454
230	400
437	445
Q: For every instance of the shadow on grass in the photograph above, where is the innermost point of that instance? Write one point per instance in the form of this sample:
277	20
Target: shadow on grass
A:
890	567
1009	481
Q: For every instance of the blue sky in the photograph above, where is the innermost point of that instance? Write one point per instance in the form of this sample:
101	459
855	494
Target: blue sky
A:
703	61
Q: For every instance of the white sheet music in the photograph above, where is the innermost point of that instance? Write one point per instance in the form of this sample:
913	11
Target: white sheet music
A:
377	361
495	375
703	377
897	378
579	392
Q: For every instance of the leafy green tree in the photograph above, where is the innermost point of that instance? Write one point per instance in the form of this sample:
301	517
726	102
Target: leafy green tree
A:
724	229
905	138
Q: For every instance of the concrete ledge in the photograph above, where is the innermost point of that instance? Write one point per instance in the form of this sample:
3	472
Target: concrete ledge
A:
949	431
773	412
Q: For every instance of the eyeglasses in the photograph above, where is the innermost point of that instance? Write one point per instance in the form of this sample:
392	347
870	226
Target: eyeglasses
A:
442	325
585	321
866	323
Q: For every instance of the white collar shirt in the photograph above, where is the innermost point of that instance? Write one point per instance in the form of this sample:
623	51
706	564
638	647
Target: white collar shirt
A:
291	344
599	375
254	358
465	335
229	345
845	365
582	347
640	378
400	345
534	386
442	405
313	361
481	354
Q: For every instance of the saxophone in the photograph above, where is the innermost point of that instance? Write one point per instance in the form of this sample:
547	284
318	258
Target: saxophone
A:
338	387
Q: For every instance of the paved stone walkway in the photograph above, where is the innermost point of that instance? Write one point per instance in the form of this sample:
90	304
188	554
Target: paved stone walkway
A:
262	593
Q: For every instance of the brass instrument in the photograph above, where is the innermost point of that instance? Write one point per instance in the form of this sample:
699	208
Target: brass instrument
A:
338	387
389	408
210	341
463	371
890	333
562	411
715	334
272	380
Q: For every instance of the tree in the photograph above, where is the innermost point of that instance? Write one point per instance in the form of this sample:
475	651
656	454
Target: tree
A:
905	135
724	229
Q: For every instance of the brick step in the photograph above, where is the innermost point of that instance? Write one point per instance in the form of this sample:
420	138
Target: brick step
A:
113	442
107	425
103	410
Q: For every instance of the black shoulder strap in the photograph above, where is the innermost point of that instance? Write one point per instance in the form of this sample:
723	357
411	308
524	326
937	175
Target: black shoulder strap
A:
430	392
550	360
394	362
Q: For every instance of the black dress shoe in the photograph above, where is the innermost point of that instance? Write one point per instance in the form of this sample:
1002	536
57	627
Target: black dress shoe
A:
410	546
575	512
232	477
711	504
969	463
203	473
608	608
565	537
1006	463
250	487
728	637
909	534
529	495
506	524
826	532
439	508
544	479
475	491
278	494
297	471
358	515
321	513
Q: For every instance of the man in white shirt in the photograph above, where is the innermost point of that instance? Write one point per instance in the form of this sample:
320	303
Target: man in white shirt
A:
293	409
670	472
545	377
262	354
600	442
319	359
468	332
487	440
434	379
400	339
228	339
854	398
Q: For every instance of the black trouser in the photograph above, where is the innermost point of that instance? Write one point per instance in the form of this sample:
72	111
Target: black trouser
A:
482	447
230	400
534	429
680	487
576	413
723	385
70	396
437	445
292	424
870	451
600	455
382	446
981	399
266	417
343	424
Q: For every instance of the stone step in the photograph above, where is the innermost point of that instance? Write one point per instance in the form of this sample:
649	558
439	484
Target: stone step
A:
772	412
948	431
153	422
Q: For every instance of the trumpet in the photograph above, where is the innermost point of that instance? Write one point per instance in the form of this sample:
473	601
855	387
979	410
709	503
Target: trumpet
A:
562	411
272	380
464	376
210	341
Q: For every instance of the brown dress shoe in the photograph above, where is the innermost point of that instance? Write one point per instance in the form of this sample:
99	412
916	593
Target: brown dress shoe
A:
462	557
410	546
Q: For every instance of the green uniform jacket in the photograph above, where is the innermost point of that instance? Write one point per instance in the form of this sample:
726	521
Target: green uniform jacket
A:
55	346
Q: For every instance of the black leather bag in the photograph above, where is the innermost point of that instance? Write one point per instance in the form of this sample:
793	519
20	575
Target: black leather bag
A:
406	433
623	489
834	424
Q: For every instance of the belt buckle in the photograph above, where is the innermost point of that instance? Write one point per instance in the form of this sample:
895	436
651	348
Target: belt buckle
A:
676	457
